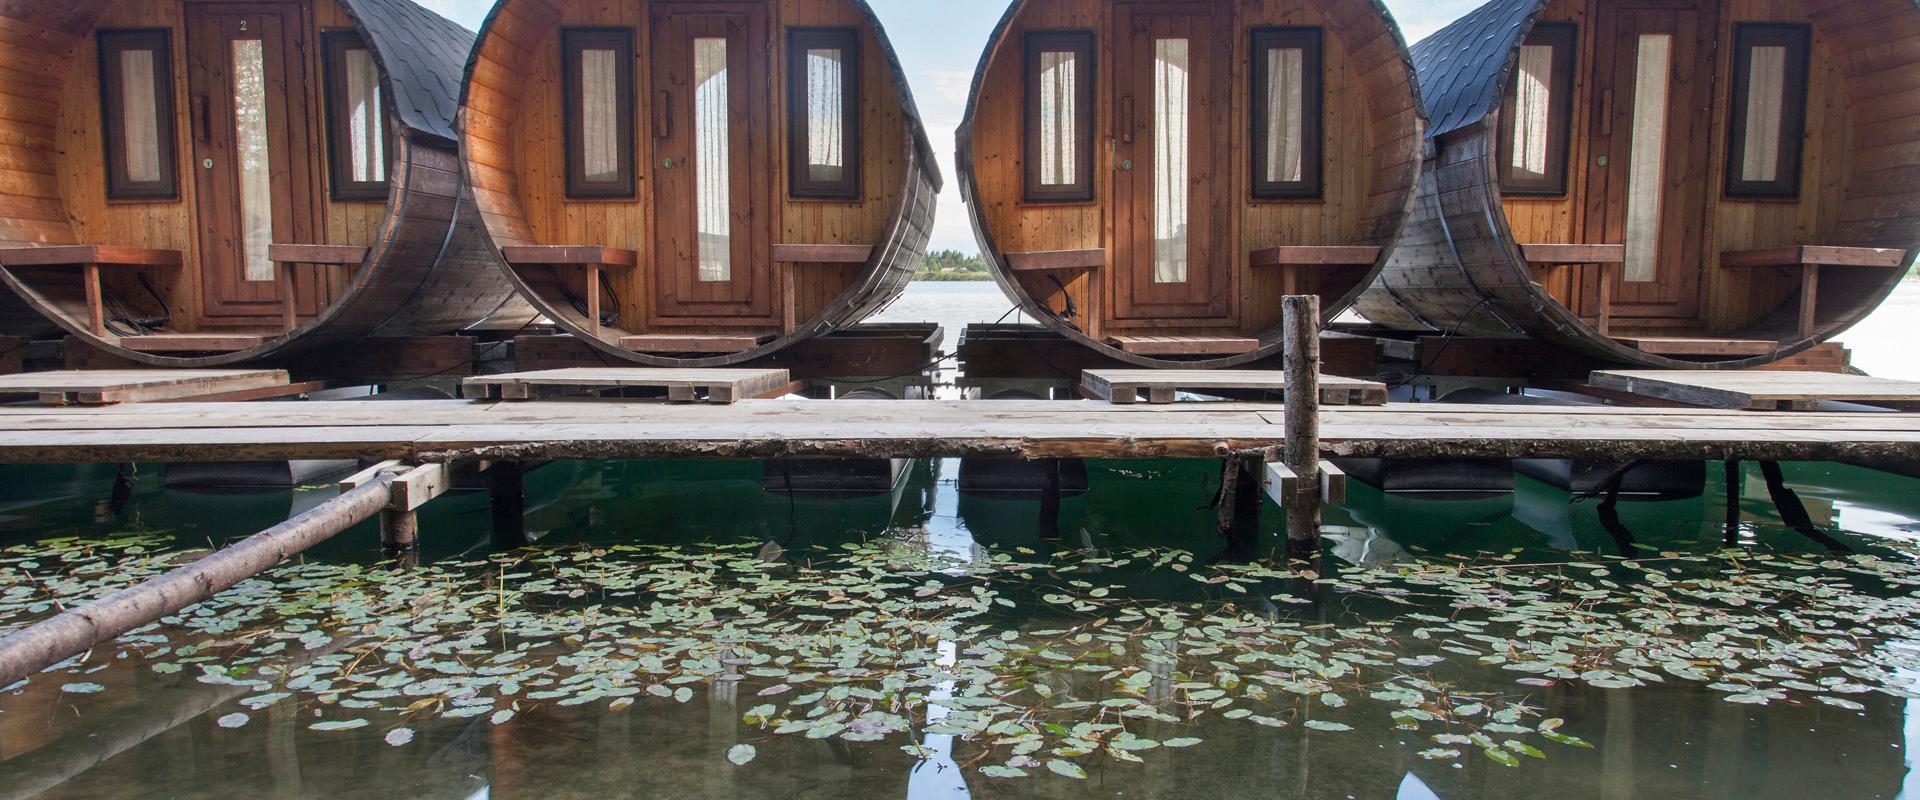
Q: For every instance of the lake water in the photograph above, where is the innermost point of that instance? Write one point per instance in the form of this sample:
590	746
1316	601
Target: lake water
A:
680	631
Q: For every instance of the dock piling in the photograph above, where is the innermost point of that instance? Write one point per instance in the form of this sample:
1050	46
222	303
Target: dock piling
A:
506	489
1302	436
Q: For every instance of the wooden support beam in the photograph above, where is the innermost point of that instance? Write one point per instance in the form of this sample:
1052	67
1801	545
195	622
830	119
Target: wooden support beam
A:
506	490
74	631
1281	483
1301	322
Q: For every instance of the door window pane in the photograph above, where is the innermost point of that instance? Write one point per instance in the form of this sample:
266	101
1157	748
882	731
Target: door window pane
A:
1171	82
249	71
713	177
1646	177
1059	116
136	84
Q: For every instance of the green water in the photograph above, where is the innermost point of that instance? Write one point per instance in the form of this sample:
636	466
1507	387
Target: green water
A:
146	733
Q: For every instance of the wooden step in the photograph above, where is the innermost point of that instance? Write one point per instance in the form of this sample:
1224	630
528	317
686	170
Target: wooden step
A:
1695	346
192	342
682	385
1125	385
688	344
1185	345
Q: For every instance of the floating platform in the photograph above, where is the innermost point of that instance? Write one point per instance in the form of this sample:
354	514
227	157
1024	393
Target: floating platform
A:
1761	391
108	387
1160	385
680	385
618	430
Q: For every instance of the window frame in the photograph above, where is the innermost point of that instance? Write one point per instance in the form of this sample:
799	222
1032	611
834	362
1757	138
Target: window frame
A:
1311	42
800	184
1798	40
625	184
1564	37
110	43
334	45
1081	43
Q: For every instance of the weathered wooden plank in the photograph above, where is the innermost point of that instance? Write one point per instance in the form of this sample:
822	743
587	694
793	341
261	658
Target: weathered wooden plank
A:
135	386
1124	385
1186	345
191	342
721	385
1760	390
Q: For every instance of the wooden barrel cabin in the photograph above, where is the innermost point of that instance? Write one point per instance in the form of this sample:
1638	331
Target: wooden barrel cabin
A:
1149	179
1669	183
697	183
205	183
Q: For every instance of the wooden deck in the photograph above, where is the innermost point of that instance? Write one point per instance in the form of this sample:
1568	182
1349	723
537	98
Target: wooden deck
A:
1761	391
681	385
600	429
103	387
1160	385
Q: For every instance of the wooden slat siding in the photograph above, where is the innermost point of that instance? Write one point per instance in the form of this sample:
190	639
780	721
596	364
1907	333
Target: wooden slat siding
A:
1056	260
1372	155
1017	429
511	139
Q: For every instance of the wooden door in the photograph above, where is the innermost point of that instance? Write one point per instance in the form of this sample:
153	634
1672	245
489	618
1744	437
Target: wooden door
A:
247	81
1172	255
1650	177
713	164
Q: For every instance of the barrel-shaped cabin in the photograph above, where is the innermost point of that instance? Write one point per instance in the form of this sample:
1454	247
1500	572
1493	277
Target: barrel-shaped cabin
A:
193	183
697	183
1671	183
1150	178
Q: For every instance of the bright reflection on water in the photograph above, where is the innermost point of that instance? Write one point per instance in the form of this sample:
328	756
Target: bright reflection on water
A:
154	735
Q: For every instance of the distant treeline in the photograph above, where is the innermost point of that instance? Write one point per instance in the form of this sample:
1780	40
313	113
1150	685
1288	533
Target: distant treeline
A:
952	265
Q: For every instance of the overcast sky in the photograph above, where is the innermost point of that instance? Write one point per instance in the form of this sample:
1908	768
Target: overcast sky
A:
939	42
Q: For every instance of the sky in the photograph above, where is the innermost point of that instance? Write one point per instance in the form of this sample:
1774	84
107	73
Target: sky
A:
939	42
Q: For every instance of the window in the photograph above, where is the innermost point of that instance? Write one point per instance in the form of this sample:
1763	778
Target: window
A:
136	103
1769	110
1059	116
1647	159
713	168
597	80
358	145
1287	101
1172	157
823	113
1538	116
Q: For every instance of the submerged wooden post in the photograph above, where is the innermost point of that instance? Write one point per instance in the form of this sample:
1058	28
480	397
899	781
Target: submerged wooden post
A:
1735	474
1050	501
1302	349
400	530
72	632
506	488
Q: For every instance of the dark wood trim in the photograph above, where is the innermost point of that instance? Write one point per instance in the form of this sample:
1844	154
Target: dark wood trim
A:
1797	39
1315	255
1056	259
1080	43
120	186
1574	253
1313	118
572	42
1824	255
800	184
1564	38
334	46
822	253
551	254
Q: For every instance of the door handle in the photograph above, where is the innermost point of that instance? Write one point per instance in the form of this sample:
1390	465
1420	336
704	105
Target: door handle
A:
203	118
1606	113
662	116
1126	119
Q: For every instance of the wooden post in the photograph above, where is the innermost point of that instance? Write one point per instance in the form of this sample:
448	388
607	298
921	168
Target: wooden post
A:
74	631
1050	501
1736	472
593	299
506	487
1809	299
400	530
96	313
1302	349
289	303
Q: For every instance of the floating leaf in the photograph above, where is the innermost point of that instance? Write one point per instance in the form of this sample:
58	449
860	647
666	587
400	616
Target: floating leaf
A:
399	736
1003	771
338	725
740	754
1066	768
234	720
81	688
1324	725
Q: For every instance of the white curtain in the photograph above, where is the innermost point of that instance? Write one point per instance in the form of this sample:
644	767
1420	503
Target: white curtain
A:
140	115
1646	172
1286	145
1058	139
365	122
1766	113
1170	157
712	177
600	115
826	115
250	140
1532	104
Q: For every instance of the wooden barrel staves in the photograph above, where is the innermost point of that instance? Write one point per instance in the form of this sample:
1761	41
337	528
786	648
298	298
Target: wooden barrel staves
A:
1151	180
682	184
1716	185
203	184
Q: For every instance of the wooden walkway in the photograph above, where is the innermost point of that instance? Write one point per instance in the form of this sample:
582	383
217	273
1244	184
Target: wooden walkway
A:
601	429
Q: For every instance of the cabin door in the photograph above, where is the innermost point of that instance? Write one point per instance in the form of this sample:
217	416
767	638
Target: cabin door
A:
246	75
1172	254
713	164
1650	172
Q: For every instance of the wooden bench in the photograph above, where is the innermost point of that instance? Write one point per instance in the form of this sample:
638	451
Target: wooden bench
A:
1056	260
1185	345
1699	346
682	385
594	258
1292	258
286	256
798	254
1610	258
1809	259
688	343
90	258
109	387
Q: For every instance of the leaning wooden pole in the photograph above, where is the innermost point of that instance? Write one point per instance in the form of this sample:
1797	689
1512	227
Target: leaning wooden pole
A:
1302	349
73	632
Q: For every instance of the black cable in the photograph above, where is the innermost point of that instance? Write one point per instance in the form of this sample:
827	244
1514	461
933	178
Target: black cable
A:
1446	340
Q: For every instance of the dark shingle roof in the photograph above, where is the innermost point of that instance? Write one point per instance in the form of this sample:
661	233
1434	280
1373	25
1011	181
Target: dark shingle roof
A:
1463	67
422	55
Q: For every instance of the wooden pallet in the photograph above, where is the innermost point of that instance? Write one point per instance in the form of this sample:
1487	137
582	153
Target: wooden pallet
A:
682	385
1125	385
109	387
1761	391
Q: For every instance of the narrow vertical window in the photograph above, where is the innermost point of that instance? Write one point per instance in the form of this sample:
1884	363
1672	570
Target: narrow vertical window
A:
1647	167
1059	116
1769	110
1172	82
597	76
713	165
1538	115
136	102
358	146
823	113
1287	102
255	157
